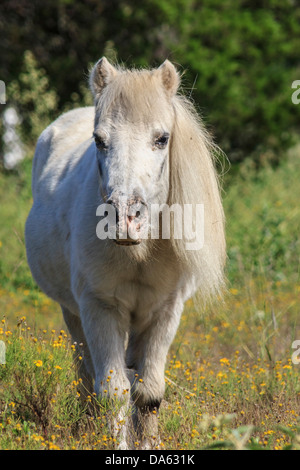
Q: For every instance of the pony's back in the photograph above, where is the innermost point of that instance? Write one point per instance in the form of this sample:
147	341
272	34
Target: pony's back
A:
67	132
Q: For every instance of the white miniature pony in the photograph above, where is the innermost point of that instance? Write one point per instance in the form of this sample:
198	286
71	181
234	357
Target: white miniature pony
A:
141	146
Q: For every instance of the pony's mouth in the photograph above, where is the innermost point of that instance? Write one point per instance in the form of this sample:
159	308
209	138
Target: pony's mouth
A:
127	242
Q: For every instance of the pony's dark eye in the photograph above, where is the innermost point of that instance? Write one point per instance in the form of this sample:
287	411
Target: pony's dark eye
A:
162	141
100	143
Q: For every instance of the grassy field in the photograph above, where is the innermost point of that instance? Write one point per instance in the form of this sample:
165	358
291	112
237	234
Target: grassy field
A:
230	378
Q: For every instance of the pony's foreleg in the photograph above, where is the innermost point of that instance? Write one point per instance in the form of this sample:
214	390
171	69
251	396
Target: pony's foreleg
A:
149	352
105	331
82	355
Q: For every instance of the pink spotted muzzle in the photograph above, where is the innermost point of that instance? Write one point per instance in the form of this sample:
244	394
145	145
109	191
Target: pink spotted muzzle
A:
131	220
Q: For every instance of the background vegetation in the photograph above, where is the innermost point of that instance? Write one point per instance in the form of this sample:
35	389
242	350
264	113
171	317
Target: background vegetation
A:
239	57
230	380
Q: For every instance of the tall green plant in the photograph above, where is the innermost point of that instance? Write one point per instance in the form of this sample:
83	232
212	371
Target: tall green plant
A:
34	97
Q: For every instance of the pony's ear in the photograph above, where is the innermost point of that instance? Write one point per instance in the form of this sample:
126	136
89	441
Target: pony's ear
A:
169	77
101	74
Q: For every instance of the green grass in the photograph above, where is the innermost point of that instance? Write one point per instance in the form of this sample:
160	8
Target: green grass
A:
230	380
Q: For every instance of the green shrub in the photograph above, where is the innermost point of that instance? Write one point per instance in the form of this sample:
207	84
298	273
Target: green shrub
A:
33	97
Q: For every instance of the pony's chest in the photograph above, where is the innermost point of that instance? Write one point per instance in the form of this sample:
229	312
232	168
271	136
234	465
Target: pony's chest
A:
130	296
141	293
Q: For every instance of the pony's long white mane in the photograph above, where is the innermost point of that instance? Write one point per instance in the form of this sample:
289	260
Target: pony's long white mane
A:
194	180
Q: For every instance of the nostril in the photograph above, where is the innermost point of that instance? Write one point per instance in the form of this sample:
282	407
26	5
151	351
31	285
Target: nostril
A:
113	203
137	214
130	217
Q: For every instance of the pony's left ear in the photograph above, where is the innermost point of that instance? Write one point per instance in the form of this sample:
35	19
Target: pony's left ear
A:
101	74
169	77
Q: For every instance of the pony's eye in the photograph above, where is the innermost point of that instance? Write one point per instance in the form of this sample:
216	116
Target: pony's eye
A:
161	141
100	143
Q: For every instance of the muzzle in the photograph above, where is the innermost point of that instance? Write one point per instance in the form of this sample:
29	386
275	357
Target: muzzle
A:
131	219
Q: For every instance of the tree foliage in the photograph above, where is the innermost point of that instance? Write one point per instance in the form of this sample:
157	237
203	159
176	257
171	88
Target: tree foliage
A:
238	57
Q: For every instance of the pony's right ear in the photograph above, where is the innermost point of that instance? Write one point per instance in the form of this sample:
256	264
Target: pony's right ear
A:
101	74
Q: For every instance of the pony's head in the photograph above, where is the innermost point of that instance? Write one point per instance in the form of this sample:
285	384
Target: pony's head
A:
134	123
152	150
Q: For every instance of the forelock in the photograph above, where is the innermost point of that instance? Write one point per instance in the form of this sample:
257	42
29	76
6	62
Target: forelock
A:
136	95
